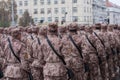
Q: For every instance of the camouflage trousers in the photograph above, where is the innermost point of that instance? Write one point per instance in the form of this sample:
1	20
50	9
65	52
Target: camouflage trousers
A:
55	78
111	67
37	73
95	73
104	70
16	79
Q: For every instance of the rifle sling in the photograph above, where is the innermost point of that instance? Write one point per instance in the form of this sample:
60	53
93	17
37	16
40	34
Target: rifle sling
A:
107	57
100	40
79	50
11	48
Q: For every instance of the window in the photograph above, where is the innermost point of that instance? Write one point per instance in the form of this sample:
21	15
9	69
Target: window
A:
20	11
42	18
84	9
75	18
55	1
63	10
74	1
56	10
49	19
25	3
48	2
42	11
63	18
84	18
48	10
20	3
35	11
35	2
74	9
62	1
56	19
35	19
87	18
41	2
26	9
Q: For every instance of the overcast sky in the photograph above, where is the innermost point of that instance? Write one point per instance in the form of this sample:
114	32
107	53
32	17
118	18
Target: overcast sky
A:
116	1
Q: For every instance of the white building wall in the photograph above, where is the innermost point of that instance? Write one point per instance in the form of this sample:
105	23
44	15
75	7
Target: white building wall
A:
114	15
99	11
82	5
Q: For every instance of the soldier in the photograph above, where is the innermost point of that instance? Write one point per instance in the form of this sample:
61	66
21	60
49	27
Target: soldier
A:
102	53
53	68
71	53
16	57
113	46
103	35
37	65
91	56
2	57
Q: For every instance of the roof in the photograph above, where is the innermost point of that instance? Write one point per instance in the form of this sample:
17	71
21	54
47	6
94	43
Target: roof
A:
110	4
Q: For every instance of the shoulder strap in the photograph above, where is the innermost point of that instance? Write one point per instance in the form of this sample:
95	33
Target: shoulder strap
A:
60	57
107	57
100	61
78	48
11	48
100	39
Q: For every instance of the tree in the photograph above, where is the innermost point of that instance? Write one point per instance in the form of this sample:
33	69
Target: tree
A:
4	14
26	19
9	4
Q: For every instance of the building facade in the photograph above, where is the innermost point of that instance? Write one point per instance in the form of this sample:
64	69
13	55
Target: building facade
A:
57	10
113	13
99	11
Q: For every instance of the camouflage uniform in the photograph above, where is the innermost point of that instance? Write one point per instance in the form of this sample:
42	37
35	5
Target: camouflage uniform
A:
90	55
15	70
102	53
104	37
112	41
71	54
53	68
37	65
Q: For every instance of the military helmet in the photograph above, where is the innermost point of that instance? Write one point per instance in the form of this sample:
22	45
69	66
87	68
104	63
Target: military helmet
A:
43	30
104	26
73	27
62	29
52	27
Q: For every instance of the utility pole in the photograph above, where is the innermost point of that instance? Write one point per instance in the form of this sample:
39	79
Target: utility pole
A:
13	18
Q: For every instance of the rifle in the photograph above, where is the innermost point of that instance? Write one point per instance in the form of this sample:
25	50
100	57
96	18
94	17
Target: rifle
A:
69	71
99	59
11	48
80	52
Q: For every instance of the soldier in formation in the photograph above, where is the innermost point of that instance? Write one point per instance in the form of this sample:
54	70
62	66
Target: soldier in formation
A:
53	52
